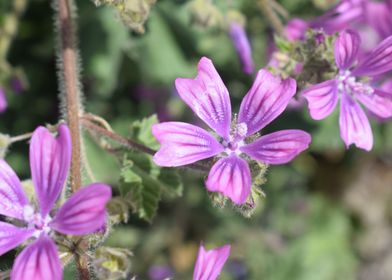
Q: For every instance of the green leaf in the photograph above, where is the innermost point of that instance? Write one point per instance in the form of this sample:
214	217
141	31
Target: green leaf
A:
143	184
163	59
282	44
141	131
103	49
170	182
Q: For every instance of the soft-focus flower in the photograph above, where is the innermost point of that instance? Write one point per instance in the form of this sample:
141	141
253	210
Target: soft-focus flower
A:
343	15
242	45
295	29
378	15
83	213
209	264
351	90
3	100
207	96
159	272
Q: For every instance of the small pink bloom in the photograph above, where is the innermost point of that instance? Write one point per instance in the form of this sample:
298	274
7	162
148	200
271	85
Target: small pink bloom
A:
295	29
207	96
209	264
3	100
343	15
323	97
242	45
83	213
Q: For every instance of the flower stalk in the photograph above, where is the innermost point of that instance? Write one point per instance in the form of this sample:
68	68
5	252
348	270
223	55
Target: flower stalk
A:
70	85
128	143
70	91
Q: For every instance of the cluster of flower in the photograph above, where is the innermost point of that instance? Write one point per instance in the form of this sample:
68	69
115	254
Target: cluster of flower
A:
82	213
360	79
234	144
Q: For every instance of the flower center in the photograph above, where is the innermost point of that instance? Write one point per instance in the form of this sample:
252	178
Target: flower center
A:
36	221
236	139
348	84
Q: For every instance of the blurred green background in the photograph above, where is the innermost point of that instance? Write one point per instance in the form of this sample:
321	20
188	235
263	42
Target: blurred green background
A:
326	216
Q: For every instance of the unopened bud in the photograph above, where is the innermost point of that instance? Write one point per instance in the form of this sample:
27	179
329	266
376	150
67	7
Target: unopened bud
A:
205	14
112	263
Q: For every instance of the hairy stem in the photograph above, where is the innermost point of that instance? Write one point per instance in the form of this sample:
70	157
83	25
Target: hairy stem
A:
69	87
267	8
69	78
82	266
128	143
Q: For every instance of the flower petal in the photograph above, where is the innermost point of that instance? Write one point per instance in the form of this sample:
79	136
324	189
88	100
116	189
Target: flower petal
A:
266	100
12	236
231	177
12	196
209	264
378	61
346	48
354	125
295	29
379	102
49	161
279	147
242	45
183	143
322	99
38	261
3	101
208	97
84	212
378	16
345	13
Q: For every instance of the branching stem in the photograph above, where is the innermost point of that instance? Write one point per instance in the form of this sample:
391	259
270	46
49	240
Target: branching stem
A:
128	143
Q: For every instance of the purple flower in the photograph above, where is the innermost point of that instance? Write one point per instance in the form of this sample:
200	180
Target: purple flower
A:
83	213
207	96
340	17
295	29
3	100
352	90
210	263
159	272
379	17
242	46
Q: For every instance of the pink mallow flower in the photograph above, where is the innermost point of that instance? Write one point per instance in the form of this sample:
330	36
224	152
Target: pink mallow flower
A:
209	264
347	86
84	212
242	46
3	100
295	29
343	15
207	96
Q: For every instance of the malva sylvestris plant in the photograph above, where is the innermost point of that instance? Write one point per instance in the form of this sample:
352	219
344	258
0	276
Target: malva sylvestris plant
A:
82	213
234	147
207	96
350	87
